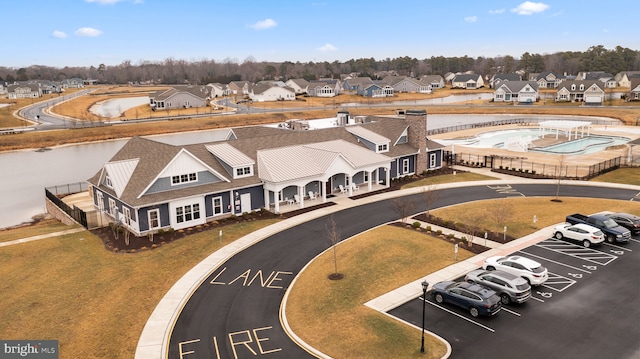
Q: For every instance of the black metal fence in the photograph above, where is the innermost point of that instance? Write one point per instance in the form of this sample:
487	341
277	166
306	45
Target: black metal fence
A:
55	193
522	167
524	121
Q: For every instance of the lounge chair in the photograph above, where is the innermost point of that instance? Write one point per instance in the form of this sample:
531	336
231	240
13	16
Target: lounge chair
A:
342	189
355	187
296	198
312	195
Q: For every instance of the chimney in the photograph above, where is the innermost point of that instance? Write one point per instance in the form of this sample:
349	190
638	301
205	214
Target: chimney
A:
417	136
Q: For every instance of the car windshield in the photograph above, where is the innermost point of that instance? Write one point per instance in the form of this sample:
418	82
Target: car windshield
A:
610	223
598	233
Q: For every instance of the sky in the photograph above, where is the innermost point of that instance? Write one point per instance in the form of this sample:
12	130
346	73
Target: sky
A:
61	33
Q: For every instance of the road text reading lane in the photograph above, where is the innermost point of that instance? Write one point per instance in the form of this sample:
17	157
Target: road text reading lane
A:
247	278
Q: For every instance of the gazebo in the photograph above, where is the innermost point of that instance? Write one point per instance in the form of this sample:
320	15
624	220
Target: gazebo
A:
568	126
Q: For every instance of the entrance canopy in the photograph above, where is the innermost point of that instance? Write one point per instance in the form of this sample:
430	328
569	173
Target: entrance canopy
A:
568	126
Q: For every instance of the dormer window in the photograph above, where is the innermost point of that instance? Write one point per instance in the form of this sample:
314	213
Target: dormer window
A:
107	182
573	87
382	148
581	87
243	172
184	178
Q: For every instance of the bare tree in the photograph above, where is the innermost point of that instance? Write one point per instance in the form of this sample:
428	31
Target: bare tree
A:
333	233
560	173
403	208
430	195
501	212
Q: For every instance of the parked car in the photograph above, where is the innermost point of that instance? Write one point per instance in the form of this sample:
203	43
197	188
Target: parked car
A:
532	271
509	287
583	233
629	221
612	231
478	300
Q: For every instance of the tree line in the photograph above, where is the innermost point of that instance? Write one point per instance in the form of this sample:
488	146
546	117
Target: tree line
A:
200	72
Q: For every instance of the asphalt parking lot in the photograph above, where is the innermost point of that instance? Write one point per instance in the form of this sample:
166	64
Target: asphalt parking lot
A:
587	309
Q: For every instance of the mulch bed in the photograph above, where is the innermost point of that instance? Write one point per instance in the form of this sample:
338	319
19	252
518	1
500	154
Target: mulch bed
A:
475	248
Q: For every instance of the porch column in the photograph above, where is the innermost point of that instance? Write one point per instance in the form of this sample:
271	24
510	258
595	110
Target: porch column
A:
350	185
232	202
323	191
265	193
369	186
388	178
301	196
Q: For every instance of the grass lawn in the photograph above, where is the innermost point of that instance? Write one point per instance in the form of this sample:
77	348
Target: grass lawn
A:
621	175
93	301
44	227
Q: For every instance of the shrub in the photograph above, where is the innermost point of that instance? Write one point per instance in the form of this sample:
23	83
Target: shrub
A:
439	232
500	167
450	236
533	172
416	224
429	228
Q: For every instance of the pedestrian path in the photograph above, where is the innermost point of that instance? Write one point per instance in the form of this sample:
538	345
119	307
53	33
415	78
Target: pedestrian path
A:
41	236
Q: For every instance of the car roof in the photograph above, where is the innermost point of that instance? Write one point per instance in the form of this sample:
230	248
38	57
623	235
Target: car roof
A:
503	274
586	227
626	215
529	263
477	288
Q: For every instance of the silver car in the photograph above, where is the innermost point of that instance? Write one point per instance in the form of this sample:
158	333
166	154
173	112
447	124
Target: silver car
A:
509	287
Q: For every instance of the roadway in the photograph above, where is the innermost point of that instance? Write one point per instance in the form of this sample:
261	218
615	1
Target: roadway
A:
234	312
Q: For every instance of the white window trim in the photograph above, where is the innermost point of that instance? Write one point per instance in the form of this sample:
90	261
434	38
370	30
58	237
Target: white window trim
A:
213	205
405	166
157	212
188	180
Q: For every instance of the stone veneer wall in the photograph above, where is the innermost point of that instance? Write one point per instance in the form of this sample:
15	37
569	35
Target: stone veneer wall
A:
417	121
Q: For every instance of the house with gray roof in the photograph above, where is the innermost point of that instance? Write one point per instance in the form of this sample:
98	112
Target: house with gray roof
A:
266	91
623	78
436	81
150	186
634	89
179	97
518	92
299	86
24	90
591	92
351	84
407	84
547	79
324	88
467	81
497	78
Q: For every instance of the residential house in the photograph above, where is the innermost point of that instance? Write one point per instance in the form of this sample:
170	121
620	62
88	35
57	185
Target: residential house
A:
49	87
180	96
239	87
518	92
467	81
449	76
24	90
591	92
351	85
436	81
498	78
407	84
606	78
73	83
624	78
634	89
299	86
150	186
264	92
547	79
323	88
377	89
216	90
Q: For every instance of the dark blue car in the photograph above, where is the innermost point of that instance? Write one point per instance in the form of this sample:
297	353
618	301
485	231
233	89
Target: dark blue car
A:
475	298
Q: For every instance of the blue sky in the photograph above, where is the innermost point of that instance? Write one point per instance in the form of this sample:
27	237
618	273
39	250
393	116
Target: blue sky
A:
92	32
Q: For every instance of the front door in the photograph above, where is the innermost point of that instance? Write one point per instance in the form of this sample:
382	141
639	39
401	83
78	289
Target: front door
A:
245	203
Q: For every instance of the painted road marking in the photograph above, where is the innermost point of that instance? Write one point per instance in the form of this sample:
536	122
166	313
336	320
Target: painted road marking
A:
511	311
576	251
460	316
558	283
506	189
552	261
618	247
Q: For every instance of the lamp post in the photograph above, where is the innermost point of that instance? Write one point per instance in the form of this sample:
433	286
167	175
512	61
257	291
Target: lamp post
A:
425	285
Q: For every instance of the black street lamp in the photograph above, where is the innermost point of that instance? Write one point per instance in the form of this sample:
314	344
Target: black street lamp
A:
425	285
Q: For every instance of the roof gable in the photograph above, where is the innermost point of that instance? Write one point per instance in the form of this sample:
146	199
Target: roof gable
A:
119	173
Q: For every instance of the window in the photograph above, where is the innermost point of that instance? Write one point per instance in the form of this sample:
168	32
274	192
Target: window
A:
217	206
100	200
405	166
107	182
383	147
126	212
184	178
243	171
154	218
112	207
187	213
432	160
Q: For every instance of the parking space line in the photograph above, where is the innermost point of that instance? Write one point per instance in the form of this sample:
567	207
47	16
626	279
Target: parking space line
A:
552	261
561	281
618	247
538	299
461	316
576	251
511	311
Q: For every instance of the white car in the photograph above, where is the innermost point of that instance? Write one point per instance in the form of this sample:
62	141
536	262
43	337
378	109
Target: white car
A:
532	271
584	233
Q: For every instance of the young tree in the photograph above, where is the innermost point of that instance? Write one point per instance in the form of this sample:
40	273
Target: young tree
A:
430	195
333	233
560	173
403	208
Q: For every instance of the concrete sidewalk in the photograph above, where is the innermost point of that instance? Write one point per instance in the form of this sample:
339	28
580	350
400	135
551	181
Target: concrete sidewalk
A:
42	236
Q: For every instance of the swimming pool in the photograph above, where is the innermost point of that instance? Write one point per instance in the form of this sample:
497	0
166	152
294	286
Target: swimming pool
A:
522	138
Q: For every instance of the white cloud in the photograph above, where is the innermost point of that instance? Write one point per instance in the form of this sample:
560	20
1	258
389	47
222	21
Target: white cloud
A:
471	19
497	11
59	34
264	24
327	48
530	8
88	32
